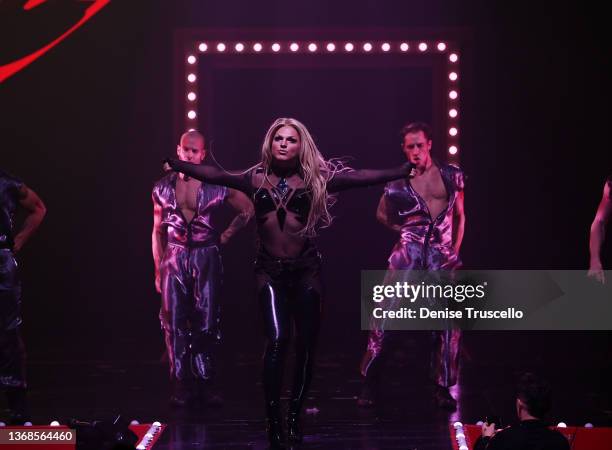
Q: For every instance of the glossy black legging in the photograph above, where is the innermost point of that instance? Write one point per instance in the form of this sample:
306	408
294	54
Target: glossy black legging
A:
285	301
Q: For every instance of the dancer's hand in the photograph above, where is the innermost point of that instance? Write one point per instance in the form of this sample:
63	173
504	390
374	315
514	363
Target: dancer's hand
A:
596	272
488	430
18	243
158	283
224	239
167	167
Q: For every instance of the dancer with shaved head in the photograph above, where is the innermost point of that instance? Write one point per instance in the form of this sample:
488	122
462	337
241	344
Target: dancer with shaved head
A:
188	271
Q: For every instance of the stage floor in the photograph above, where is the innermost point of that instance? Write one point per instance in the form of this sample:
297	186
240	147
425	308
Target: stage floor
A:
405	418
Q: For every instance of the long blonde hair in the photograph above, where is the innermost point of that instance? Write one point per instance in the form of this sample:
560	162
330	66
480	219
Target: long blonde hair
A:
314	168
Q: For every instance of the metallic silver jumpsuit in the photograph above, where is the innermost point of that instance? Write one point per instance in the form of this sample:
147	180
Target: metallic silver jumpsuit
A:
425	244
190	272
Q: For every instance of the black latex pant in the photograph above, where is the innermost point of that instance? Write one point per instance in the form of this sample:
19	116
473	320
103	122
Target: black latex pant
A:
289	299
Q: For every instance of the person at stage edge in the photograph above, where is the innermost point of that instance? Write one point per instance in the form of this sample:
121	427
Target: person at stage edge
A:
533	401
14	194
598	232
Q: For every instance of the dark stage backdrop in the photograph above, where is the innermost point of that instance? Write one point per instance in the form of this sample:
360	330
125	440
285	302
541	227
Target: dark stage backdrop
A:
87	125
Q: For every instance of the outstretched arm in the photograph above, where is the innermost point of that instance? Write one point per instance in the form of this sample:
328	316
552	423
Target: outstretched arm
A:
244	207
36	210
210	173
366	177
598	233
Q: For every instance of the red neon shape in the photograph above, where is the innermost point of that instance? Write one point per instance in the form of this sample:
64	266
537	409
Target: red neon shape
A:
12	68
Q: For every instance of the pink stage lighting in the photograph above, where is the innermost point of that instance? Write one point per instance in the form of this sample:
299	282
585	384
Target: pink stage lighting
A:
322	46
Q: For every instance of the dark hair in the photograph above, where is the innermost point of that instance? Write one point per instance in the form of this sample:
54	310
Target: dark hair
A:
535	393
415	127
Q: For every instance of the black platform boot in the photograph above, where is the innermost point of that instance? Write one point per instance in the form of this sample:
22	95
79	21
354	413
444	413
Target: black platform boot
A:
276	437
444	399
182	395
18	406
294	431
